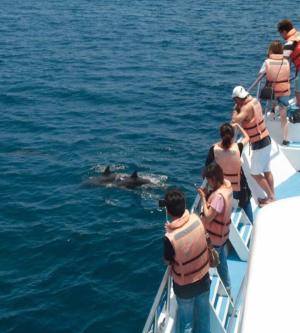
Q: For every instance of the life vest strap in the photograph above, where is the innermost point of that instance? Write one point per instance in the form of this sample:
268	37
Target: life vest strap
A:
220	222
281	91
283	81
231	175
258	134
192	272
251	127
193	259
217	234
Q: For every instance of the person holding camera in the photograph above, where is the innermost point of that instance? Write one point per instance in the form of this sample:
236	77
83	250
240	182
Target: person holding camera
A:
216	215
248	113
227	154
185	249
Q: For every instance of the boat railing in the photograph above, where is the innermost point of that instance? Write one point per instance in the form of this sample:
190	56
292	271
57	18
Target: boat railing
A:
161	304
196	205
236	318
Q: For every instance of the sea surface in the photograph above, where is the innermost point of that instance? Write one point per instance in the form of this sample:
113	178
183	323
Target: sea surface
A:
138	85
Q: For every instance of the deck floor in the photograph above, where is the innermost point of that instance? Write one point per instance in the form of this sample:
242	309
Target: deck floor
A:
237	270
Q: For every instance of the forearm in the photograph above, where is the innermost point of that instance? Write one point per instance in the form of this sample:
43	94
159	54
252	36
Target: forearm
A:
208	212
205	208
236	117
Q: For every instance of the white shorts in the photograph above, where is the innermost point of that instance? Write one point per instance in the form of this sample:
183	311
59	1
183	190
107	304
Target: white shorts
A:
260	160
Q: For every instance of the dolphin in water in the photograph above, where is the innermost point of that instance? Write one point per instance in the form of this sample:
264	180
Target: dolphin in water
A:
107	177
115	179
131	181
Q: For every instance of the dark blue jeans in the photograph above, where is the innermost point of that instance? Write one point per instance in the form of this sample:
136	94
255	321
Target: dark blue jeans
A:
193	314
247	206
223	267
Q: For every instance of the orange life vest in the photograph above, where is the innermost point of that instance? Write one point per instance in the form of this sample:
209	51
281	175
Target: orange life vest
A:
187	236
278	73
294	35
230	162
256	127
218	228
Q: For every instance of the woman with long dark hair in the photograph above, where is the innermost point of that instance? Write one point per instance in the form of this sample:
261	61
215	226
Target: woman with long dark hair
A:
227	154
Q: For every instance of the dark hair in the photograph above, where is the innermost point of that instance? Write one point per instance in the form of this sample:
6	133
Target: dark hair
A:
175	202
285	25
276	47
226	133
215	172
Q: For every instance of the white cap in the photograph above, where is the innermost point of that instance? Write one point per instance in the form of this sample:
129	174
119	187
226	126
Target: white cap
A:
239	92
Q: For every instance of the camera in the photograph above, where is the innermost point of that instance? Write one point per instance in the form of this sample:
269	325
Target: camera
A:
161	203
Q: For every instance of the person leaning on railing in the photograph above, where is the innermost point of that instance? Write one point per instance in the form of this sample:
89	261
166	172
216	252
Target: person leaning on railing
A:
216	215
277	71
185	249
227	153
248	113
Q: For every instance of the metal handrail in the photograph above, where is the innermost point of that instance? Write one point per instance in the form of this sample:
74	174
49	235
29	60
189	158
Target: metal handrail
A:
196	203
238	306
153	315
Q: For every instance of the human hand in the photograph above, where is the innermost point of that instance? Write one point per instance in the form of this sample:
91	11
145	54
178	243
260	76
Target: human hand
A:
166	226
235	125
201	192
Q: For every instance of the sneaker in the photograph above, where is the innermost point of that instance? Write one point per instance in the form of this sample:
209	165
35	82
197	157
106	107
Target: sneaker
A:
285	142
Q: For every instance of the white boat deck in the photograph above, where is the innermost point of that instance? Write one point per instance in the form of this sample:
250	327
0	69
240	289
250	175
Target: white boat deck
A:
271	301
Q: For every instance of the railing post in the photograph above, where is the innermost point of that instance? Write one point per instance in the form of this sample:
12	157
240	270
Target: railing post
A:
153	315
168	295
155	321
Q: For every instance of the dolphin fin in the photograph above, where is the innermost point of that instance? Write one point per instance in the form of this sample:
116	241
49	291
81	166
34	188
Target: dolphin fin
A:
107	171
134	174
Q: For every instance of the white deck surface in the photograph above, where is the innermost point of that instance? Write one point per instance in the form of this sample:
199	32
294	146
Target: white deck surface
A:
273	293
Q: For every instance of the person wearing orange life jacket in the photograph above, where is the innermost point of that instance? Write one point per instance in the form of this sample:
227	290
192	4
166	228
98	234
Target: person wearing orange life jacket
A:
216	215
185	249
291	50
248	113
227	154
277	71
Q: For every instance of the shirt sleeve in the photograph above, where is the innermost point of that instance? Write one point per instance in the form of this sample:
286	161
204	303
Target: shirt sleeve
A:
218	203
169	252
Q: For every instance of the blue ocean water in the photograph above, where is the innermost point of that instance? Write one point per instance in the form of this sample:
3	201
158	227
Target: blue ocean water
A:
138	85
